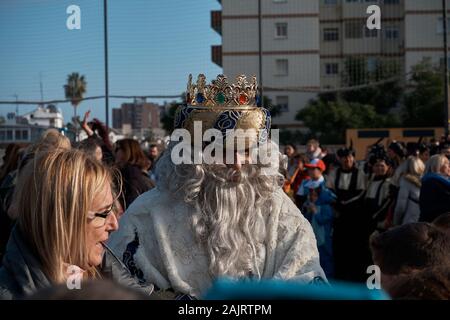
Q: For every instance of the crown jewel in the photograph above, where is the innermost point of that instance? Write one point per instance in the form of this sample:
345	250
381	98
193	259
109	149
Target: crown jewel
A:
220	93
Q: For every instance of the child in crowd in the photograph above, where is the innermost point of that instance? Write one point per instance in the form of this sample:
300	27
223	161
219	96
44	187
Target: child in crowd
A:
317	210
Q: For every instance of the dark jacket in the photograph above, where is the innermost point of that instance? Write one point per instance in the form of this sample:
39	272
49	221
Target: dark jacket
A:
434	197
21	274
135	182
6	192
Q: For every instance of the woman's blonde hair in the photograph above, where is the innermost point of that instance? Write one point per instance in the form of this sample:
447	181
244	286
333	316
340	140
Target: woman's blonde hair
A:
435	163
54	193
415	166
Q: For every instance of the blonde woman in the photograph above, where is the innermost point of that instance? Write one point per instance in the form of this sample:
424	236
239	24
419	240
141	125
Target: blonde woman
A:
65	208
407	209
435	191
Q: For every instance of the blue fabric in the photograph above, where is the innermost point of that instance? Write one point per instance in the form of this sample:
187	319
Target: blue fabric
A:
128	260
322	224
226	289
434	197
437	176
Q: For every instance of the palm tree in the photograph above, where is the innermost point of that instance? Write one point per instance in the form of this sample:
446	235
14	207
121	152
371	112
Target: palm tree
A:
74	90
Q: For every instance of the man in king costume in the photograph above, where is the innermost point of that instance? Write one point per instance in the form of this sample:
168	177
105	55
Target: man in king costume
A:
205	221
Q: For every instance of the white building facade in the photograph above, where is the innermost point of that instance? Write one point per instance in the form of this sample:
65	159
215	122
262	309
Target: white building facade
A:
290	46
306	44
49	116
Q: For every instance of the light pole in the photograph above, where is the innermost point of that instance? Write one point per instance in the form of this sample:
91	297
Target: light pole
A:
17	104
447	120
105	15
261	92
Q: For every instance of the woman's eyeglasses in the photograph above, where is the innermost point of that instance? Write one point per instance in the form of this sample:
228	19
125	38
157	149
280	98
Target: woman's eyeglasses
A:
98	219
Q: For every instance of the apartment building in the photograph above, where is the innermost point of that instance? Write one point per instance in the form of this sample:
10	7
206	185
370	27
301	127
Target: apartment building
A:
137	119
313	45
290	47
424	31
346	41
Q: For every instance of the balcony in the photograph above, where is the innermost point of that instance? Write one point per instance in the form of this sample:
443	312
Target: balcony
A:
216	21
216	55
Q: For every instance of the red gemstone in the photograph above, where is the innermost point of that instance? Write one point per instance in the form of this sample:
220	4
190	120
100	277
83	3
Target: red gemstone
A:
243	99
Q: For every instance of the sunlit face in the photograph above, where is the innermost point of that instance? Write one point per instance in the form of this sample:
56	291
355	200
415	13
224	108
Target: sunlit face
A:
424	156
154	152
314	173
445	168
98	228
380	168
119	155
98	153
347	162
446	152
240	158
289	151
311	147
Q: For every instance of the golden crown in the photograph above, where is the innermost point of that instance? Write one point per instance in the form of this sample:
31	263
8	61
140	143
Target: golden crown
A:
220	93
223	106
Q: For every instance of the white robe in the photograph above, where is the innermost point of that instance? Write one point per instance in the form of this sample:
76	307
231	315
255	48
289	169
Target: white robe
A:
170	257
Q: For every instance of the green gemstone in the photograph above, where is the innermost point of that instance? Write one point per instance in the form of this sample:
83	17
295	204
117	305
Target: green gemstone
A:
220	98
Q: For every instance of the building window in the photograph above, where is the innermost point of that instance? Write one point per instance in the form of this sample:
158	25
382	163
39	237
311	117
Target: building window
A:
283	103
9	135
354	29
331	34
25	135
372	64
440	25
391	33
279	1
371	33
18	135
441	62
281	30
281	67
330	2
391	1
2	135
331	69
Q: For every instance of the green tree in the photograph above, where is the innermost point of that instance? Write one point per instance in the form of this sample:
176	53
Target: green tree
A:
424	104
74	90
383	96
329	120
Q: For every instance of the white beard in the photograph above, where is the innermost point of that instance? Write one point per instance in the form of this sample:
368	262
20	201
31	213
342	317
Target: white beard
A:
231	209
230	219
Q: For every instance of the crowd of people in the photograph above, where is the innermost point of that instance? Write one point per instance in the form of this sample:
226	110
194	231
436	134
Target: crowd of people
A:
47	189
95	214
349	201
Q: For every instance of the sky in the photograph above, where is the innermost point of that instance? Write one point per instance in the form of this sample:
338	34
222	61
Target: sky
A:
153	46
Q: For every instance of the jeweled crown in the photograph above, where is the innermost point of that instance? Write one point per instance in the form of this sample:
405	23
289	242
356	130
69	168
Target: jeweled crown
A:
221	93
